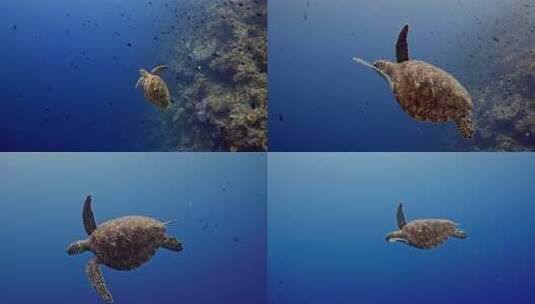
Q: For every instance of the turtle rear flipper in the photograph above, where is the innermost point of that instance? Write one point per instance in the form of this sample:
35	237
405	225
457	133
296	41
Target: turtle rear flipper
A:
465	125
87	216
402	48
400	216
97	280
158	69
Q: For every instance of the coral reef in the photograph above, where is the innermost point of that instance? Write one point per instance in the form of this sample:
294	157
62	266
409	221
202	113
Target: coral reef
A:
221	80
503	84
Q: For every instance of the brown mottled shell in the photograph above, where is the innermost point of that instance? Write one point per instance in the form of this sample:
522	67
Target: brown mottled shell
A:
428	93
428	233
127	242
156	91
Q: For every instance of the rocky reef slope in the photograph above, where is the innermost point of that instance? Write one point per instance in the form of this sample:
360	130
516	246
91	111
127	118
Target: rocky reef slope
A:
220	86
503	82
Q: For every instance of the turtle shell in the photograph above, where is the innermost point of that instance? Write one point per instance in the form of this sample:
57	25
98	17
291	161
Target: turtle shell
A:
156	91
127	242
428	93
428	233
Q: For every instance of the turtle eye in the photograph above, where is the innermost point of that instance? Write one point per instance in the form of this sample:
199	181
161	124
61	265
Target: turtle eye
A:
379	64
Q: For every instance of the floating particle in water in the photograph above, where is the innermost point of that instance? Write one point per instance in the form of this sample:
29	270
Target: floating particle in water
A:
495	39
236	239
129	44
14	27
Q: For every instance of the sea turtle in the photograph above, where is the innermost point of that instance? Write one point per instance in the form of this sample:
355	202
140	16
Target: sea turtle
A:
424	233
123	243
154	87
424	91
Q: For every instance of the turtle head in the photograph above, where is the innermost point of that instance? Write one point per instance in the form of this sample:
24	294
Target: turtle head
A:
396	236
384	66
78	247
171	243
143	73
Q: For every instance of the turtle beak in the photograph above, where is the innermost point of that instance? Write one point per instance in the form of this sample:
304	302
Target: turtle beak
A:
73	248
395	237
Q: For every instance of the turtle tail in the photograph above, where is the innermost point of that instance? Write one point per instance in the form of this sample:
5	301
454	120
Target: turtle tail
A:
465	125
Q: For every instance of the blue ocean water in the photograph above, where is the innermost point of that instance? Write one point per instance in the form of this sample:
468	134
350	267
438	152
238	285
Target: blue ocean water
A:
329	214
321	101
70	69
217	200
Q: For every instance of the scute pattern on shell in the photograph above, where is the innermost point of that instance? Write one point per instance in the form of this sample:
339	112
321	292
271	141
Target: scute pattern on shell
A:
127	242
428	233
428	93
156	91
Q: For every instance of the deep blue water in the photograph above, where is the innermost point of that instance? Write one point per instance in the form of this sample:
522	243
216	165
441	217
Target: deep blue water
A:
329	213
321	101
69	73
218	201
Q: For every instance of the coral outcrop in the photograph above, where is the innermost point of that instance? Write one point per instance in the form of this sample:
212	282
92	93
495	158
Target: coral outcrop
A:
220	66
503	83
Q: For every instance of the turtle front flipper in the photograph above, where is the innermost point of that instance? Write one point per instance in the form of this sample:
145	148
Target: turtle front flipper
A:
402	47
87	216
140	81
97	280
465	125
383	74
158	69
400	216
171	243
